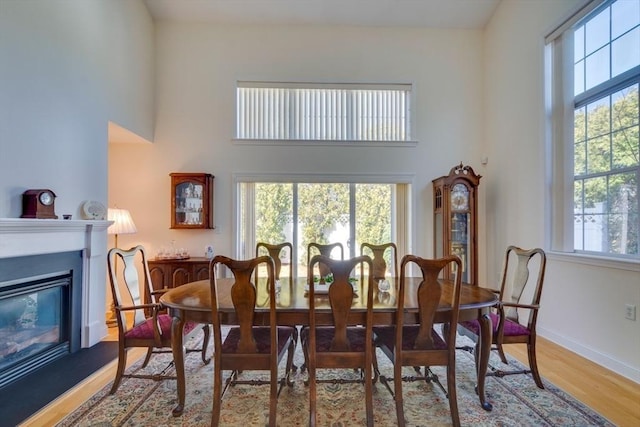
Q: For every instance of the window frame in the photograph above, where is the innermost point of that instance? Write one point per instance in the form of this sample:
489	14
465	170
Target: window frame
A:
407	143
403	215
560	103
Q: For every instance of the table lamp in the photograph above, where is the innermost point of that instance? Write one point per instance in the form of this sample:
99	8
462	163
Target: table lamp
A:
122	223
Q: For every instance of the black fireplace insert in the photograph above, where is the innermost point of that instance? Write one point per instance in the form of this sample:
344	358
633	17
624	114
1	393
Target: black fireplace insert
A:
40	311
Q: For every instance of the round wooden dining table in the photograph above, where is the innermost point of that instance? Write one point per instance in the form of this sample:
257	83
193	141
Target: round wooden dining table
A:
192	302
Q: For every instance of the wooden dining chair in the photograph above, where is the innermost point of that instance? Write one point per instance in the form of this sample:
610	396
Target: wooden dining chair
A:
418	344
378	254
141	324
276	251
326	250
248	346
508	326
347	342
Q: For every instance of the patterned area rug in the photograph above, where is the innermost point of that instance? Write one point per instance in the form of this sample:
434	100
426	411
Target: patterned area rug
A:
516	400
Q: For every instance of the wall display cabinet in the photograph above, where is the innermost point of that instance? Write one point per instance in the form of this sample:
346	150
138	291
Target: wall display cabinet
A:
191	200
455	219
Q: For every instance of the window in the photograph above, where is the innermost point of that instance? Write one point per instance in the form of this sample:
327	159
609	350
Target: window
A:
310	210
323	112
594	78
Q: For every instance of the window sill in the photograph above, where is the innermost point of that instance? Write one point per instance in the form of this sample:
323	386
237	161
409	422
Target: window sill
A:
595	260
324	143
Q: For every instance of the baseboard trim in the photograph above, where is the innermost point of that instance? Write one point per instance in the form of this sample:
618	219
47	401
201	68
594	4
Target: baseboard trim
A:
595	356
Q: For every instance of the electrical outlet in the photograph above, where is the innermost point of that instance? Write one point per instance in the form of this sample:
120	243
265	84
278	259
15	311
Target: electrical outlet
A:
630	312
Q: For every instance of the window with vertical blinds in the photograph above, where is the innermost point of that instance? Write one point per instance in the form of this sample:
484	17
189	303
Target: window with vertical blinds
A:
323	112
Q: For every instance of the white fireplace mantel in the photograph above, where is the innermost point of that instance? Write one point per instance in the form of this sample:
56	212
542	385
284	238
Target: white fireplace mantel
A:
25	237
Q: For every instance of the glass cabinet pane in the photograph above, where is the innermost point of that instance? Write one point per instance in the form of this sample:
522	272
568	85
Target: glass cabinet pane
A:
189	203
460	240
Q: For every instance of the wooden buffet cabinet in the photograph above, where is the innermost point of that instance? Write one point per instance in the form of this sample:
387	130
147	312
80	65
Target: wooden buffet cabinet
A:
171	273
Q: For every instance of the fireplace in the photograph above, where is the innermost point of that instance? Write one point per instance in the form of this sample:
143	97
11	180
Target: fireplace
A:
52	291
40	311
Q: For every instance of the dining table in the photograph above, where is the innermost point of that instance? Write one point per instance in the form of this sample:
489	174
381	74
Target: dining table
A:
191	302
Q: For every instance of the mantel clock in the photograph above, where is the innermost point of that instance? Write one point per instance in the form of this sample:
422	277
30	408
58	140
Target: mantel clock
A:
455	222
38	204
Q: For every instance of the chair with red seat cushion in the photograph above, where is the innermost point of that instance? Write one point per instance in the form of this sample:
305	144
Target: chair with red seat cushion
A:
345	343
325	250
141	325
278	251
418	344
378	253
248	346
507	325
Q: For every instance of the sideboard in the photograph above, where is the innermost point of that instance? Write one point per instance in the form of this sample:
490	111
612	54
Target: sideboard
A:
171	273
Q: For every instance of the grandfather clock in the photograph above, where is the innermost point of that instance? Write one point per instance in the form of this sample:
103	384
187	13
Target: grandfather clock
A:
455	219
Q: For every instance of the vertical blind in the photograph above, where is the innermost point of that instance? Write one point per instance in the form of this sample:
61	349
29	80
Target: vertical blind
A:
351	112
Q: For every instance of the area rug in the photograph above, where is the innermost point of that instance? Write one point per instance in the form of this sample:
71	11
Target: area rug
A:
516	400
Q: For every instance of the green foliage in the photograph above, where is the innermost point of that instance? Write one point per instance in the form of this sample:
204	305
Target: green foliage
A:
274	203
607	163
320	208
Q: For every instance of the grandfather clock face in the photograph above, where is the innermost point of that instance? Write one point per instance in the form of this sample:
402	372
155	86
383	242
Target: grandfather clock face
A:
459	197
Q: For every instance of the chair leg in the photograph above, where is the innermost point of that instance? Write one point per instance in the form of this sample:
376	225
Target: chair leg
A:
376	371
533	364
453	397
273	396
305	353
295	344
368	394
205	343
312	396
217	397
503	357
292	349
122	364
147	357
397	385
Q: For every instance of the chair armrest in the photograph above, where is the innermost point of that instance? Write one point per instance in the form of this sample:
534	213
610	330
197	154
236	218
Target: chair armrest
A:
137	307
160	291
512	304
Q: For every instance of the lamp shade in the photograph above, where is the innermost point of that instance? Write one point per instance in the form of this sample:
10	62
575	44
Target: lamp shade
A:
122	222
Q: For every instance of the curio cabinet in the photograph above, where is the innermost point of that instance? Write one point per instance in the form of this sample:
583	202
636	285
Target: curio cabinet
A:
191	200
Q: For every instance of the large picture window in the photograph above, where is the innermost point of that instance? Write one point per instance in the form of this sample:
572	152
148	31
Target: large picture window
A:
302	212
595	77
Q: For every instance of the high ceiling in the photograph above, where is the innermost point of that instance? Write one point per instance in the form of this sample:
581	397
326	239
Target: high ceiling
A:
471	14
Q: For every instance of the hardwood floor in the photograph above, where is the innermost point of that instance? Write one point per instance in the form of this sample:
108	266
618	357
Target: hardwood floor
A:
611	395
614	397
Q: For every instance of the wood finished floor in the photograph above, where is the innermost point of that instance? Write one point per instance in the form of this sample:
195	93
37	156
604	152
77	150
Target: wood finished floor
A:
611	395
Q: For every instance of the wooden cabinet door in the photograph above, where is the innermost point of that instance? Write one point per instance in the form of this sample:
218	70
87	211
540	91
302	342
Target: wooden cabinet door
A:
158	277
201	271
181	275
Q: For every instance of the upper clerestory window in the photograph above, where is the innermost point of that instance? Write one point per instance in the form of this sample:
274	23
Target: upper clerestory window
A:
323	112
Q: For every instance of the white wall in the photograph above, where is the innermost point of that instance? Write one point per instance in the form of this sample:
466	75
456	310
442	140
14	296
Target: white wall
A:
67	68
198	66
583	300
